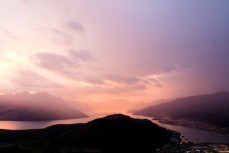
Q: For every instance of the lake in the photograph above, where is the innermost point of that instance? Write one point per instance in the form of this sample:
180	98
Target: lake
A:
190	134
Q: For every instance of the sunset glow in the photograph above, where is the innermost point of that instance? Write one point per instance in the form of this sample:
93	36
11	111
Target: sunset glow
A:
122	53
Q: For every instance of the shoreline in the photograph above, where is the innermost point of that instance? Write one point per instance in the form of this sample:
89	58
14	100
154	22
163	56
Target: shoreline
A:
195	125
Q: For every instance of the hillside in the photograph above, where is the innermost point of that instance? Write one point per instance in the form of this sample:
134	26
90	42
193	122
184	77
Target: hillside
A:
36	107
210	109
114	133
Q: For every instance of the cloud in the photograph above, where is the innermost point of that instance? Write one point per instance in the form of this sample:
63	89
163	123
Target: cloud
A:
93	80
122	79
57	63
82	54
102	79
75	26
155	82
110	89
73	65
169	69
27	78
124	84
66	65
9	34
61	36
123	89
65	35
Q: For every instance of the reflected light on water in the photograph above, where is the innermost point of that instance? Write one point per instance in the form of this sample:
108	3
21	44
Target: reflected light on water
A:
190	134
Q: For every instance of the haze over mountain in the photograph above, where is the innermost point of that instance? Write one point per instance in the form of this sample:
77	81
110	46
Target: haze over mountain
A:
114	133
212	109
39	106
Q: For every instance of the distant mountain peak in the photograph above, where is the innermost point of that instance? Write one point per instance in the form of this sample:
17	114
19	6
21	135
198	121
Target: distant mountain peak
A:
117	116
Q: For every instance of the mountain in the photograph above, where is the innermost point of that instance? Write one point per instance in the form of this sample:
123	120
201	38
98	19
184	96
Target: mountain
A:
141	106
39	106
210	109
114	133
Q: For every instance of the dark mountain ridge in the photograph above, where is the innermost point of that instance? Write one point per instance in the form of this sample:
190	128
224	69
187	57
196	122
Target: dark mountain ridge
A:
114	133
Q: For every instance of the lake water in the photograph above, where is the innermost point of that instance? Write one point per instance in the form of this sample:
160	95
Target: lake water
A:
190	134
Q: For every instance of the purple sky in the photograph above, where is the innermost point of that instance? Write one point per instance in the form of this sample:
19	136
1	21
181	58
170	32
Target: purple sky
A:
114	50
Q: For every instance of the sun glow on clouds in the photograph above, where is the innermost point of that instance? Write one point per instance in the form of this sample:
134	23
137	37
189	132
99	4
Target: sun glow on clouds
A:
97	52
3	67
9	62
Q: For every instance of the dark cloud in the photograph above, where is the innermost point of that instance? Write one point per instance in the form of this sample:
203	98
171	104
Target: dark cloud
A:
75	26
27	78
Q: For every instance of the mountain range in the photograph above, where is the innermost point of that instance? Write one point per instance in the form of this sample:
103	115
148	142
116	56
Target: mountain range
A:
39	106
207	109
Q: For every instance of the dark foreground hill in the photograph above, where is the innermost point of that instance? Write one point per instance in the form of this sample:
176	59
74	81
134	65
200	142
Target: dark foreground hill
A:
36	107
203	110
114	133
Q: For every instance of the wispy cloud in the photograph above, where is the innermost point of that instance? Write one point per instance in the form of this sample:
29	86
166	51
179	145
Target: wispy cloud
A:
67	65
169	69
29	79
65	33
122	79
9	34
82	54
75	26
62	36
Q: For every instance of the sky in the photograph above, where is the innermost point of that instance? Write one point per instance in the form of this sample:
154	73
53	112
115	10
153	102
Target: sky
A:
113	51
